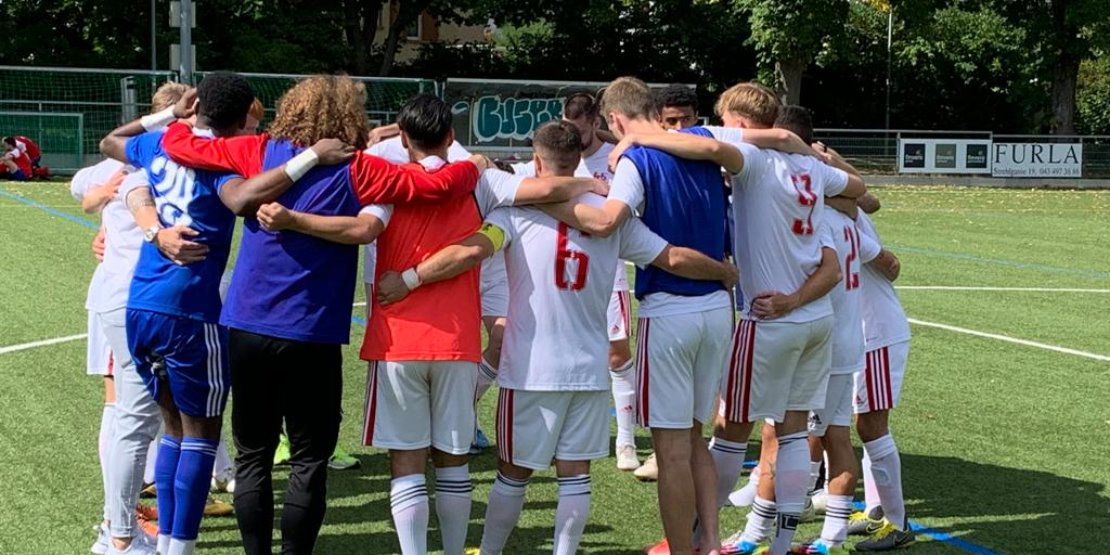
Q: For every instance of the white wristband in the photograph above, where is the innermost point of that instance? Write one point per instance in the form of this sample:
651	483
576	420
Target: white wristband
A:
411	279
158	120
300	164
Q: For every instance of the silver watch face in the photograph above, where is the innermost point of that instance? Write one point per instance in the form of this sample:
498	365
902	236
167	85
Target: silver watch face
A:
150	234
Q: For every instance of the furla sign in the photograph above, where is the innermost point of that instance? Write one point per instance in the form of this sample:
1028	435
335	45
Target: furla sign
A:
1037	160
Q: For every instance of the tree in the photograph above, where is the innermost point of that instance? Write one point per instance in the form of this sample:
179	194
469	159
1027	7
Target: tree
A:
790	34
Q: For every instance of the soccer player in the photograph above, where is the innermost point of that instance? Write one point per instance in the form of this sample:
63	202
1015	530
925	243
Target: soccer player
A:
684	324
15	165
289	304
678	107
424	358
877	390
553	402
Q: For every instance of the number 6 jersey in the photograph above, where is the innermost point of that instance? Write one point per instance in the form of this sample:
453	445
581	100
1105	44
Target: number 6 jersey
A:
560	281
778	201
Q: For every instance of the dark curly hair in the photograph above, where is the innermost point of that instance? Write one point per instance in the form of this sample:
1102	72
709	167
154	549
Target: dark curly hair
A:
225	99
676	95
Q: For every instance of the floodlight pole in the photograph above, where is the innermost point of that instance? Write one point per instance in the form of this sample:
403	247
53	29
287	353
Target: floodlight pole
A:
187	41
153	38
889	59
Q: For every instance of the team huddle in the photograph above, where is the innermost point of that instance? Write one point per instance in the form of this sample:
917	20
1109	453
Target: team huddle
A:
800	330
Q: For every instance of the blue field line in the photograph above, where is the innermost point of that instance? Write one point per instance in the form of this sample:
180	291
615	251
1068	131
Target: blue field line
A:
1002	262
941	536
52	211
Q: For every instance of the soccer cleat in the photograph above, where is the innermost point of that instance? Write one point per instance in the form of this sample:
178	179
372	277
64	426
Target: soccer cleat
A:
139	546
100	547
820	501
150	491
626	458
480	443
281	454
649	471
863	524
224	482
736	546
473	551
145	517
745	496
341	460
818	547
215	507
887	538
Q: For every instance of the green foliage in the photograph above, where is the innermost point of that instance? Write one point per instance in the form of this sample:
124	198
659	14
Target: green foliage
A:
1093	102
795	30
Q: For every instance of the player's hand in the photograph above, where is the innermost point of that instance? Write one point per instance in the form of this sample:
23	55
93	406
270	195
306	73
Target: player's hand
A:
887	264
773	304
275	217
108	191
391	288
615	155
601	187
381	133
333	151
481	162
731	273
186	106
844	205
174	243
98	245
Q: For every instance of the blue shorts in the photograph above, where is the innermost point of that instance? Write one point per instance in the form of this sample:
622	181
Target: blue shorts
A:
188	355
16	175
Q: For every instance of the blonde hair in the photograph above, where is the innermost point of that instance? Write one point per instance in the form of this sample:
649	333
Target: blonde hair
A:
750	100
630	97
167	95
320	107
256	110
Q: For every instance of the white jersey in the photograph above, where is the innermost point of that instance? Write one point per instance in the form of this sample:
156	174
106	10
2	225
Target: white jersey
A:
108	289
847	339
884	320
778	201
559	289
528	169
393	150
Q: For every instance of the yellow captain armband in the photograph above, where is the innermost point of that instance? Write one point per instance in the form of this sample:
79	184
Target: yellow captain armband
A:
495	235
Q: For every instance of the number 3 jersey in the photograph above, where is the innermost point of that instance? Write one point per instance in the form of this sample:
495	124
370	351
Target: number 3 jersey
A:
778	201
189	198
560	281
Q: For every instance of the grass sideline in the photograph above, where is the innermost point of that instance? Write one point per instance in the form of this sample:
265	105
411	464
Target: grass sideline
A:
1003	446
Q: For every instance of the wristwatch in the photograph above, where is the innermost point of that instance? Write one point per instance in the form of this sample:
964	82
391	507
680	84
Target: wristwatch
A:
150	234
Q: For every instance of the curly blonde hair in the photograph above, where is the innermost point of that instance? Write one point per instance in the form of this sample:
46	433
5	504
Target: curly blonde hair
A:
323	107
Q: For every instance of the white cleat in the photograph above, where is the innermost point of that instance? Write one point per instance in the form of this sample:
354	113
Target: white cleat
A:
808	513
820	501
649	471
224	482
139	546
102	539
627	459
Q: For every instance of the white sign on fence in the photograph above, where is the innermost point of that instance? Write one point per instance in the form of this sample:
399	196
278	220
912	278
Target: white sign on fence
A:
952	156
1037	159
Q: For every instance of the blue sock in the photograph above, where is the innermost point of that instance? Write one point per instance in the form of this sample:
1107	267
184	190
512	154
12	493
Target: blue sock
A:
165	469
194	475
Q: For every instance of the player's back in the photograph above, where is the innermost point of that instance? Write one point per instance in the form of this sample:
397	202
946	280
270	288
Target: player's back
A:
440	321
884	318
845	296
778	201
294	285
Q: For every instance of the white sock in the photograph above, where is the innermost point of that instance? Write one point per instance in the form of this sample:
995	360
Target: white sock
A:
506	501
837	512
104	447
181	547
453	500
487	374
870	494
163	543
728	457
408	499
791	477
745	496
223	459
571	514
624	395
814	475
151	460
760	520
886	469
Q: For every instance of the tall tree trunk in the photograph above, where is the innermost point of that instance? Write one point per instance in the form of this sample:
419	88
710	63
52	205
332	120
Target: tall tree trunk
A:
788	73
360	26
1065	73
408	12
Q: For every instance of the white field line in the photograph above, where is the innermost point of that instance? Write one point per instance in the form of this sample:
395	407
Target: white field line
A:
1002	289
362	303
41	343
1015	340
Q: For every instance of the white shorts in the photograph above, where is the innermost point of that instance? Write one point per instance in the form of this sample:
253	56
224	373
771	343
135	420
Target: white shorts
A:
417	404
536	427
98	354
838	405
620	315
879	385
678	367
494	286
776	367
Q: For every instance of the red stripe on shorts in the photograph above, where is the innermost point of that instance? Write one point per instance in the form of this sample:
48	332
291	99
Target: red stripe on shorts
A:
642	386
731	392
626	314
111	364
749	362
889	400
371	406
869	378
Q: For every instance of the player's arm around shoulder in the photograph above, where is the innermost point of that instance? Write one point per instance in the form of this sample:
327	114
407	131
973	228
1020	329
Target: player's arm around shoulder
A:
542	190
116	143
362	229
446	263
684	145
244	197
641	246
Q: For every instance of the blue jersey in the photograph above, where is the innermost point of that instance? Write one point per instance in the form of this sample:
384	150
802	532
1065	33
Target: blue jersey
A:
684	203
190	198
292	285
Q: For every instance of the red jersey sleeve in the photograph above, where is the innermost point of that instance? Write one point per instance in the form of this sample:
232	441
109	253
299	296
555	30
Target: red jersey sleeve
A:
376	181
242	154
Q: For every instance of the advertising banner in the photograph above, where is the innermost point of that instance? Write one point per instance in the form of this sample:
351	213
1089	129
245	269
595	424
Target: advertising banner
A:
1037	159
946	156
